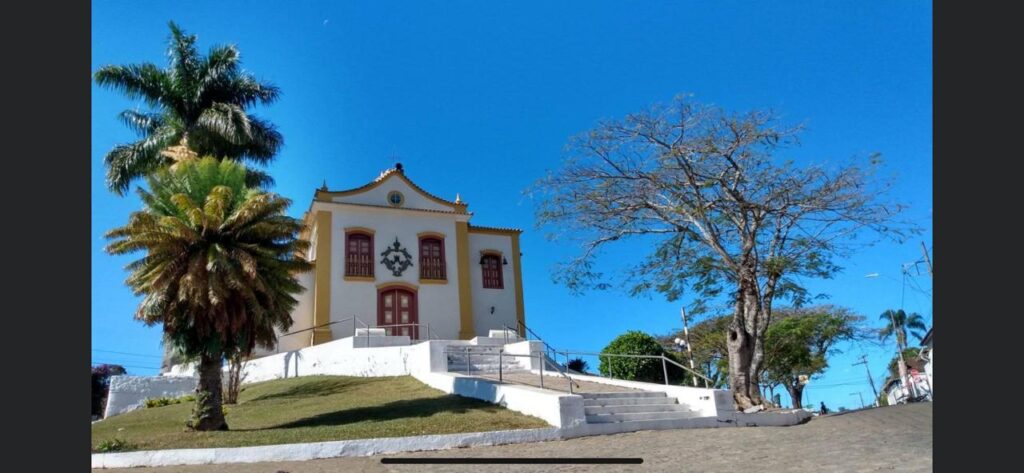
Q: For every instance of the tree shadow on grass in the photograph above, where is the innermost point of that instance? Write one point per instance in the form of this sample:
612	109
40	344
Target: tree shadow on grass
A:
424	407
322	387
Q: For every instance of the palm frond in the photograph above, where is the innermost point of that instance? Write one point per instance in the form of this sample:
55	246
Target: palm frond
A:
142	123
128	162
137	81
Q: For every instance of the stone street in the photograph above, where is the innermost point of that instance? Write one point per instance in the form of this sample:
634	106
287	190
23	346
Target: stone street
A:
897	438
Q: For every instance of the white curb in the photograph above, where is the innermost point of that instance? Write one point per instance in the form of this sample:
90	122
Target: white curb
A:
311	451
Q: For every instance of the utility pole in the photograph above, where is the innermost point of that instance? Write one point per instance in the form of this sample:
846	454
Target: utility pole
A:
864	361
861	398
689	351
927	259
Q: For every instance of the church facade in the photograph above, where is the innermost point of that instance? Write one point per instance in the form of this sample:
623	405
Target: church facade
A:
398	258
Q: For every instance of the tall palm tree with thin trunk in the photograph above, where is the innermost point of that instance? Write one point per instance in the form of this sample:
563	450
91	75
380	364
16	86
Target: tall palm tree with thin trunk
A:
198	107
904	323
218	270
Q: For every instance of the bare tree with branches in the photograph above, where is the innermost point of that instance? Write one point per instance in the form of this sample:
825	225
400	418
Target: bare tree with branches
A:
727	218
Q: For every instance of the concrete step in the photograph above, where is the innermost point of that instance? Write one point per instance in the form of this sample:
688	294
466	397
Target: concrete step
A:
595	410
486	369
482	359
628	401
623	394
475	349
653	424
629	417
484	366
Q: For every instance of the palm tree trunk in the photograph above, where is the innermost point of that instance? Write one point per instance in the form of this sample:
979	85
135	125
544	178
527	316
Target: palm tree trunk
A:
208	413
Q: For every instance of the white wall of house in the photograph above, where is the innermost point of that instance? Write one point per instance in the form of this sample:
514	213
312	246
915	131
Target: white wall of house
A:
302	318
502	300
928	368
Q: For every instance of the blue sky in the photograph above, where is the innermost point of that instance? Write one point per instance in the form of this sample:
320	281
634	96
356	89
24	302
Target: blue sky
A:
479	98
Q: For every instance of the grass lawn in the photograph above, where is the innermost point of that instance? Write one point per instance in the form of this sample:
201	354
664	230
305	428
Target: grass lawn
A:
316	409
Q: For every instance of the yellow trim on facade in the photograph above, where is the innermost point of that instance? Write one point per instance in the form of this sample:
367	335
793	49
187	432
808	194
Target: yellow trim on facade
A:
494	231
422	235
360	229
402	284
518	271
322	285
433	281
360	278
466	329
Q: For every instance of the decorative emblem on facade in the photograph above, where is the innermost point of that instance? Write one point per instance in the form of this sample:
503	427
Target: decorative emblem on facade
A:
396	258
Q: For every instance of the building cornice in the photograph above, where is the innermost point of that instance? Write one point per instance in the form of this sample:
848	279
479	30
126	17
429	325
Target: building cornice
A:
325	195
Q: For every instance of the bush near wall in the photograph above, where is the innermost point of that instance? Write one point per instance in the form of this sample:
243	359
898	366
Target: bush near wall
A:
635	369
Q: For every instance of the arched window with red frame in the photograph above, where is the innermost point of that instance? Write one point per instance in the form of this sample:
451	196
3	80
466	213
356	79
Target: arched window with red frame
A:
491	265
432	264
358	254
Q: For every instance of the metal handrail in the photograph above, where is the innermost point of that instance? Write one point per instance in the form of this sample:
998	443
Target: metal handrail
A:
426	327
353	319
674	362
526	336
542	357
624	355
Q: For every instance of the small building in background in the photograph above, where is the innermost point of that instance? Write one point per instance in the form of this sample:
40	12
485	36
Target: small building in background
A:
927	356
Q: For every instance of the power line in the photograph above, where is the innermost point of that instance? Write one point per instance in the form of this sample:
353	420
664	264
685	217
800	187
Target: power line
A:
127	353
95	363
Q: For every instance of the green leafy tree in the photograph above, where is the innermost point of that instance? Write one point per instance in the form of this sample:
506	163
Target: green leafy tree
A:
636	369
724	216
198	107
218	269
800	340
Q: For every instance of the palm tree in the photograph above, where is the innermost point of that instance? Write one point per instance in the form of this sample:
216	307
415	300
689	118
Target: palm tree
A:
218	270
912	323
198	108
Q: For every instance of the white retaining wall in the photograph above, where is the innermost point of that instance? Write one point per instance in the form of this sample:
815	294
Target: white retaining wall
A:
311	451
385	356
557	409
128	392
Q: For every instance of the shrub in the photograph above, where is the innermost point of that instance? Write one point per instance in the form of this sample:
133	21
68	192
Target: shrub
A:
233	381
166	401
578	364
636	369
114	445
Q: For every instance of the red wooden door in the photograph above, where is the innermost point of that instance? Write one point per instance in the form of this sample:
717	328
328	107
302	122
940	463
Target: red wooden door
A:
396	312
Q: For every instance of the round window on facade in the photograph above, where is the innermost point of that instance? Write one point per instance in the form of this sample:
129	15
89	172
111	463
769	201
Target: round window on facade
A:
395	198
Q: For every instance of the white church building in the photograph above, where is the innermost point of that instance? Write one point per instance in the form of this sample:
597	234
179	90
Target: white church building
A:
404	285
391	255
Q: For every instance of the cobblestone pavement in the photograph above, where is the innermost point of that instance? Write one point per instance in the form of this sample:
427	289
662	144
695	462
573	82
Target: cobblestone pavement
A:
897	438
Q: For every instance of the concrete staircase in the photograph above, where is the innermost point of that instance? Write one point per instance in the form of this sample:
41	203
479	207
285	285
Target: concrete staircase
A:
638	410
483	359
